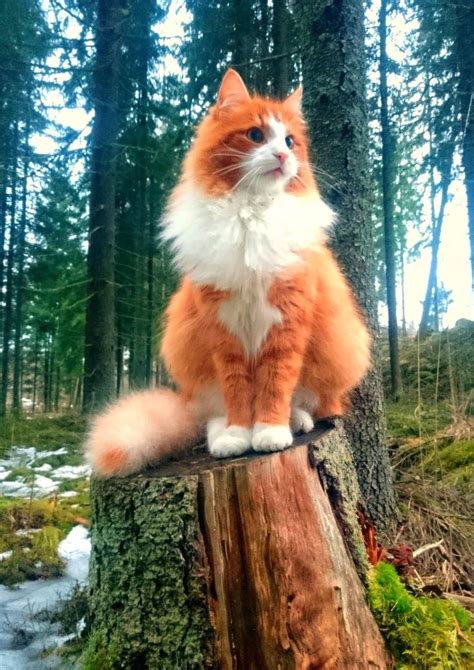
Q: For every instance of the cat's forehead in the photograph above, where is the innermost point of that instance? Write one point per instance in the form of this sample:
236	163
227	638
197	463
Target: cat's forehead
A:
276	127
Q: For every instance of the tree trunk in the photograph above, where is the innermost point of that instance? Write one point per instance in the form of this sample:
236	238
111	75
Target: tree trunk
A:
47	376
8	311
35	372
150	311
335	108
138	371
281	79
99	366
3	215
387	191
403	288
57	387
243	37
20	261
119	360
431	288
236	564
465	60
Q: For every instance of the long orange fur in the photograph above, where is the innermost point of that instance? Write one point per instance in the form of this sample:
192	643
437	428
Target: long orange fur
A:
320	347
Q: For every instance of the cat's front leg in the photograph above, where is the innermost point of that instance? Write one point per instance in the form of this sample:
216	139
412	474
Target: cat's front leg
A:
278	368
231	435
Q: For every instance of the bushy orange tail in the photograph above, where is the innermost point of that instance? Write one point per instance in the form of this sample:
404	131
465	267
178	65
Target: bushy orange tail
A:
139	429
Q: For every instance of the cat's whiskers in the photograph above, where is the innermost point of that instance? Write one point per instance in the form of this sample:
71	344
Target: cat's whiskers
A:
230	168
236	152
248	174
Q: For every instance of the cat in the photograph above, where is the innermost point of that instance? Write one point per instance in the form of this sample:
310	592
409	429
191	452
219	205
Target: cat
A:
263	334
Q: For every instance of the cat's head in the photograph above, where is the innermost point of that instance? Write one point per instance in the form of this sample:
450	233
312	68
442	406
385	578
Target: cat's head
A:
249	143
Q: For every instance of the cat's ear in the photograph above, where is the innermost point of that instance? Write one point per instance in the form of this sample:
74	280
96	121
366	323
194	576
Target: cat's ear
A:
232	90
294	101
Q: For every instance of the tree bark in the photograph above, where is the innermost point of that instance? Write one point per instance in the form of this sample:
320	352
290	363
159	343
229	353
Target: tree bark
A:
281	78
430	295
8	310
35	372
138	371
236	564
464	13
150	311
20	261
387	192
335	109
99	366
242	51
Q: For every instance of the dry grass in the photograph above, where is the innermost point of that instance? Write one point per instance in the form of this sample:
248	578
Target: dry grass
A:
434	481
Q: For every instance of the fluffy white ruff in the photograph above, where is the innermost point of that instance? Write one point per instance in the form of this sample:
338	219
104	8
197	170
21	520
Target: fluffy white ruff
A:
241	242
268	437
228	240
139	429
226	441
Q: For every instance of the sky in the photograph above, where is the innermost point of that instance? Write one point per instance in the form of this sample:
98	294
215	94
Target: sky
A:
454	266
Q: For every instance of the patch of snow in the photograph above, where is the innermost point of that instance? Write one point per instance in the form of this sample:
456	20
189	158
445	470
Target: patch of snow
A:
5	554
4	474
75	549
16	489
45	484
46	467
71	472
67	494
40	455
19	606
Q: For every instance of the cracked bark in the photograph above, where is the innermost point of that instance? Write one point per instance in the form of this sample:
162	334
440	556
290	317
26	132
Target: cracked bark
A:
237	564
335	109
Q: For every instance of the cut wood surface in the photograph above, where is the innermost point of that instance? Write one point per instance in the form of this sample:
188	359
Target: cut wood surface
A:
234	564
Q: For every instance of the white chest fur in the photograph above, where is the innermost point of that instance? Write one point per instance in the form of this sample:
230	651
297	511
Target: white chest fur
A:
241	242
249	315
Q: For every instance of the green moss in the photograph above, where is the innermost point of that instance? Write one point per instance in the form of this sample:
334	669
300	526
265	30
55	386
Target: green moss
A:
403	419
24	472
99	655
39	559
146	552
456	455
452	463
461	479
42	432
44	523
422	633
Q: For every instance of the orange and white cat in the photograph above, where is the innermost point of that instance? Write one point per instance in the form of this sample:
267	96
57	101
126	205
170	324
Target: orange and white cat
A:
263	334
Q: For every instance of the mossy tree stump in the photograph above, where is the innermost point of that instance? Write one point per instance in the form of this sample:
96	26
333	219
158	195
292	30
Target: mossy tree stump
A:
235	564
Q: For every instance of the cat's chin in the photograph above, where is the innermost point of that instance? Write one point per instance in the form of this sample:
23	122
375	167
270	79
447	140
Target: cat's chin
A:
271	182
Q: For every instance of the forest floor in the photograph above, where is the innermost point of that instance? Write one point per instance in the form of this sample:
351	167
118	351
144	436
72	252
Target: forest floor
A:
44	539
44	517
432	455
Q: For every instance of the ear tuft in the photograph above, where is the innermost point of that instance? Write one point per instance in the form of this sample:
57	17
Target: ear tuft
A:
232	89
294	101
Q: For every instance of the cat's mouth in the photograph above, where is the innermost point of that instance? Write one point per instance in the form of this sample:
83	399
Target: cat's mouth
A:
275	172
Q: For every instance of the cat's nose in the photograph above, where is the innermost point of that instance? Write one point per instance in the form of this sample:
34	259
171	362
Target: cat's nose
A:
282	156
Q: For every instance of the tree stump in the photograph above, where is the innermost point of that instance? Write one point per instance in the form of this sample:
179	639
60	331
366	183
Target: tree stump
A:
235	564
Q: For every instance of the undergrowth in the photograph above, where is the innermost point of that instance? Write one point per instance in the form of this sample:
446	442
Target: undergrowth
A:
41	431
422	633
32	529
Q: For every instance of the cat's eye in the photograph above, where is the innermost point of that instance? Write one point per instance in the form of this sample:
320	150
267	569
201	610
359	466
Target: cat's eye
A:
256	135
289	141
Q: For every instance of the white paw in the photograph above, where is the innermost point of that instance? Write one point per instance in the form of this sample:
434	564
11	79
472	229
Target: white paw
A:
268	437
230	441
215	427
301	420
